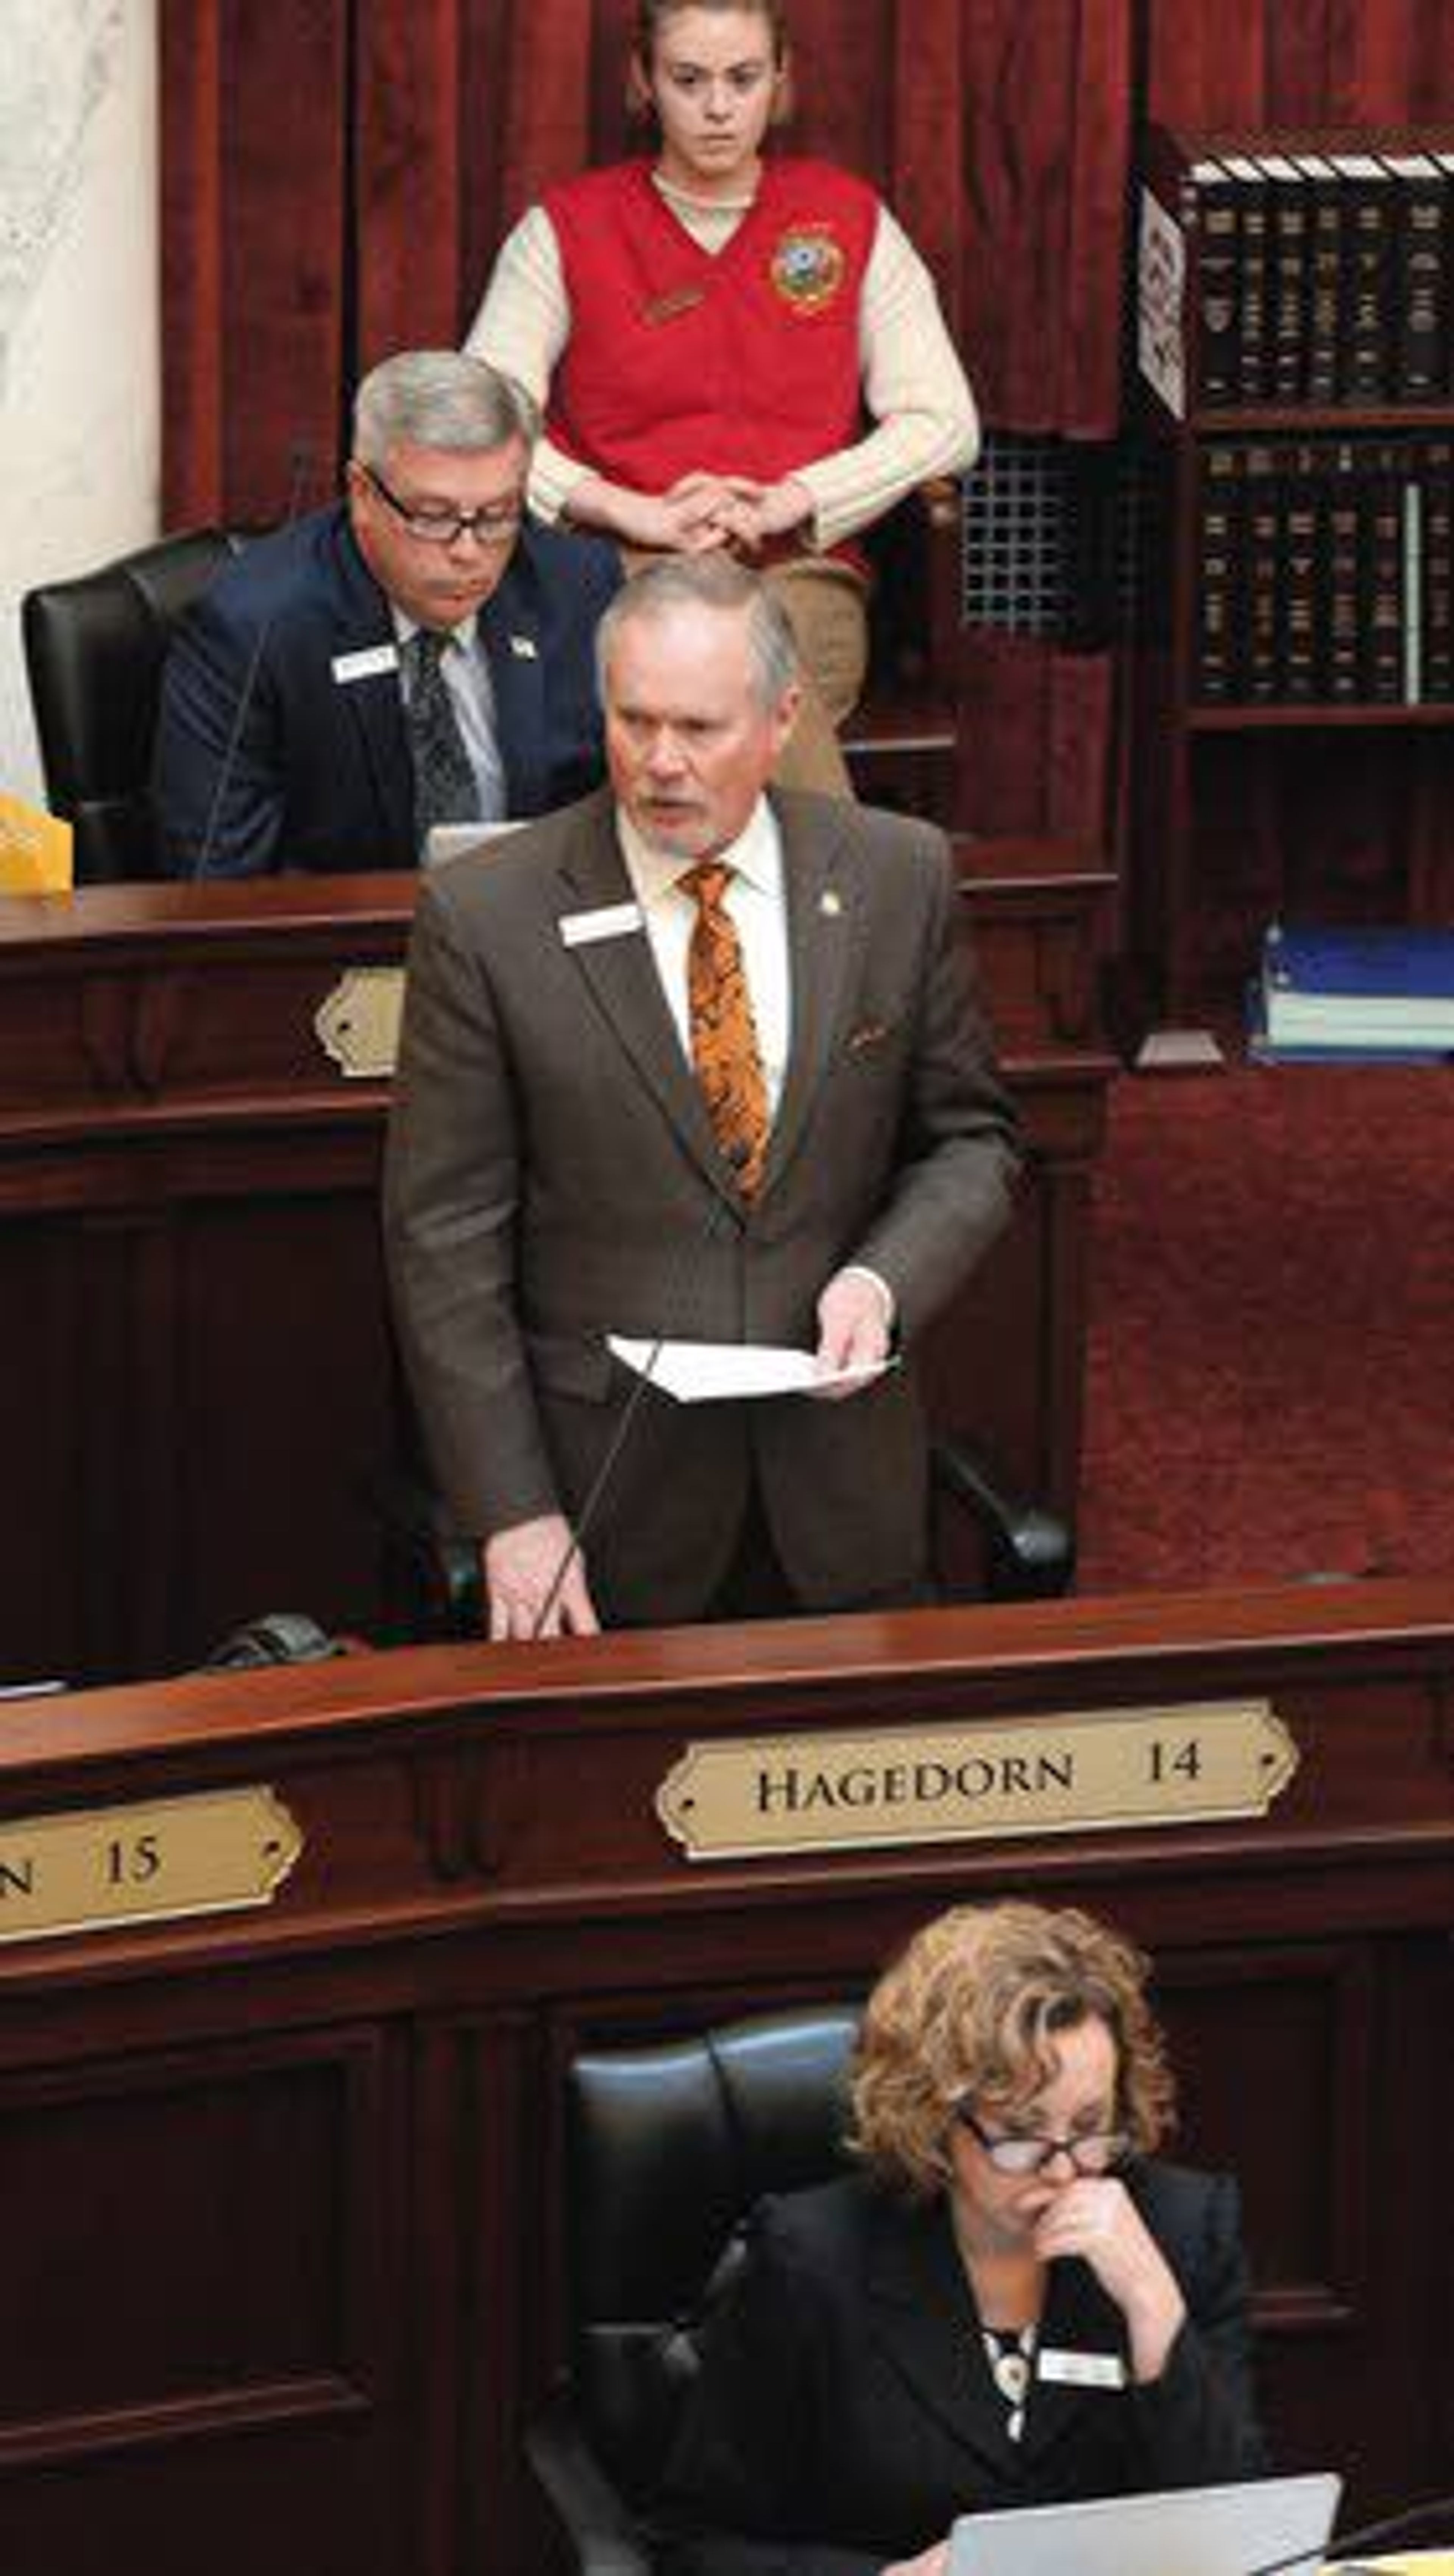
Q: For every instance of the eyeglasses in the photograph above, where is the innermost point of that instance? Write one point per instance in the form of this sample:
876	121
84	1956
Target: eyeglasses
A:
1096	2154
436	526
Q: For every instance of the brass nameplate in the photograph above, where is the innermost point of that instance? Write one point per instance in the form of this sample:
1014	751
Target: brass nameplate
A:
209	1854
1078	1773
357	1024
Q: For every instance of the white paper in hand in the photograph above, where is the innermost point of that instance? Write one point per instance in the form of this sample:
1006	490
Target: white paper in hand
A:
709	1372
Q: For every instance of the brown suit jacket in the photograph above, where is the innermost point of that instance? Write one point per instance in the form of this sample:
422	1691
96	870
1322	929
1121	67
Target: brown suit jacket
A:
552	1177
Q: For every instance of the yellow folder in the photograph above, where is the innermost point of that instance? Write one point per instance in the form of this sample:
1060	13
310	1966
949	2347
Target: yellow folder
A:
35	849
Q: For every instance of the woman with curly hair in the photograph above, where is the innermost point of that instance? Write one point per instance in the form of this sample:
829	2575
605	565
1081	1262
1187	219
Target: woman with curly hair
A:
1014	2300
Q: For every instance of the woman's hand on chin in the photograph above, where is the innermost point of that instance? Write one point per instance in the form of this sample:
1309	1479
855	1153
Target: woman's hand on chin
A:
1096	2218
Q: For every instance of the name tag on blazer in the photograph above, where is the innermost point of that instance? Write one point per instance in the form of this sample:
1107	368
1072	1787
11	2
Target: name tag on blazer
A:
367	665
608	921
1081	2369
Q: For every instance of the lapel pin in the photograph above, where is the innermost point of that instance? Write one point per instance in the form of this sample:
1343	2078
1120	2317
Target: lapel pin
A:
523	647
831	904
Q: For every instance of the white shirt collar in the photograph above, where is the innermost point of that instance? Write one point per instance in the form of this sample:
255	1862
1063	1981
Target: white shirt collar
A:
406	627
756	855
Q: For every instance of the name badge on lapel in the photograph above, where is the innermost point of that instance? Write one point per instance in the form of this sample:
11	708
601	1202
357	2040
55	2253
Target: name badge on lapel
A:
608	921
1081	2369
367	665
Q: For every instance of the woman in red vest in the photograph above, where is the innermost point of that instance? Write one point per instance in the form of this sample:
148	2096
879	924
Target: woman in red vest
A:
731	351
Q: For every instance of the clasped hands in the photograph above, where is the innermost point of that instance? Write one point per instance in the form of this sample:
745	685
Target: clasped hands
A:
704	513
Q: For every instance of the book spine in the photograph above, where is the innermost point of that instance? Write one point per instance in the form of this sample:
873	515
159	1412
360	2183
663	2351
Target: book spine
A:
1364	371
1420	278
1216	676
1340	522
1301	588
1413	593
1252	279
1383	567
1261	571
1288	280
1437	568
1324	278
1217	201
1444	163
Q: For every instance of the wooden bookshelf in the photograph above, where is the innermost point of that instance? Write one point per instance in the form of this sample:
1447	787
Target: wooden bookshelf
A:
1297	434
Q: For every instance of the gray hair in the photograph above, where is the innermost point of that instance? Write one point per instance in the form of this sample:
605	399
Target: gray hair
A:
438	398
709	581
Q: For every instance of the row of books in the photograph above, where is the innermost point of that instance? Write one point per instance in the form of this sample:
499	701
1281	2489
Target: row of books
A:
1378	994
1325	572
1324	278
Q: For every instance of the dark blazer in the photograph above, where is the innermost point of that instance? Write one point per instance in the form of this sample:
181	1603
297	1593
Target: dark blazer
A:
552	1177
321	776
845	2414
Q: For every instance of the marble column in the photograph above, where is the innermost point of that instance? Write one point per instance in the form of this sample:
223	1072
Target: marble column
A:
80	403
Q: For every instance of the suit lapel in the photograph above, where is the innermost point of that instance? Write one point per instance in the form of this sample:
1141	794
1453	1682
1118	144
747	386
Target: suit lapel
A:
827	926
375	705
926	2322
620	975
1079	2318
509	633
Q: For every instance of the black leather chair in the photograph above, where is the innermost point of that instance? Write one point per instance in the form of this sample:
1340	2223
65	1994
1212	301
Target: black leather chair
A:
667	2149
94	649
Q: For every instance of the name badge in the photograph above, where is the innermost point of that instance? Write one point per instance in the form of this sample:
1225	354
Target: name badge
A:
608	921
367	665
1081	2369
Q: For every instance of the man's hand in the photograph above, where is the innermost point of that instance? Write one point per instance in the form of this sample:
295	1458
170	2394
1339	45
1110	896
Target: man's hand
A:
520	1567
853	1330
1096	2218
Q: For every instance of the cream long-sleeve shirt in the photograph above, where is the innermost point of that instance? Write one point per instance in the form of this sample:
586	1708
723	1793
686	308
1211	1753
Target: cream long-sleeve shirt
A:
914	388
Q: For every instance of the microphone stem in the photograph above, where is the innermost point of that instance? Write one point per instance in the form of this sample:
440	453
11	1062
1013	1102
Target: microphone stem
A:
585	1517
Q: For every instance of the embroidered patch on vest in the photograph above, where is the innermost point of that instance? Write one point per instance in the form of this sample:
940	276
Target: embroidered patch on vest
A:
807	267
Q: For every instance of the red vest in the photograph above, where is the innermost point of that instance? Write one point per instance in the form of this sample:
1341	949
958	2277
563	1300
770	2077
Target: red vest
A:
743	362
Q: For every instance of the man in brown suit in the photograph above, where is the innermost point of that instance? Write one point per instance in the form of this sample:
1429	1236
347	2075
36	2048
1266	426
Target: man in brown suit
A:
554	1174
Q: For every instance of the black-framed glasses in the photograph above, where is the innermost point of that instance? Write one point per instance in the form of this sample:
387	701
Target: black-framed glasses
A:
436	524
1098	2153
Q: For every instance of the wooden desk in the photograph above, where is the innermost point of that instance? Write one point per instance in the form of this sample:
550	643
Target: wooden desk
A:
283	2189
198	1376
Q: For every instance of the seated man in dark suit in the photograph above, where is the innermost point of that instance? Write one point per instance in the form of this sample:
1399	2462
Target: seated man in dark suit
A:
416	654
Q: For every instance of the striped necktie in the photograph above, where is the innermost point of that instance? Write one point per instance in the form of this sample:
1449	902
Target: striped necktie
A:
724	1039
444	783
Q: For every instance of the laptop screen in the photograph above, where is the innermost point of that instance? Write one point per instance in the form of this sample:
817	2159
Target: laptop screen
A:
1186	2531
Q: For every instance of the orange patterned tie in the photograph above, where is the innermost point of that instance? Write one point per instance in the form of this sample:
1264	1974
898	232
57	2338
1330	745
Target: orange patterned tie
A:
724	1041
